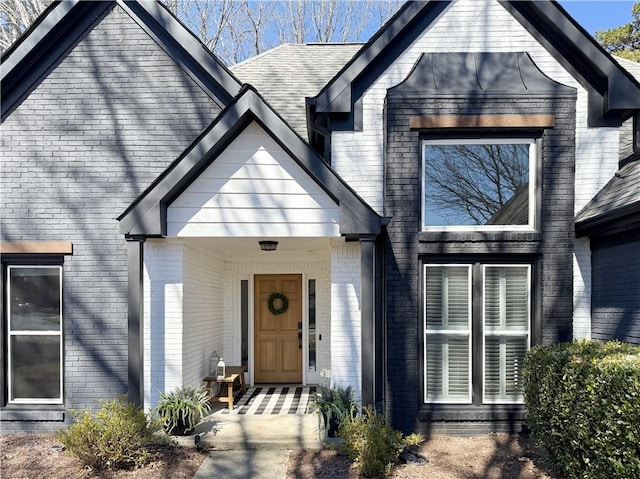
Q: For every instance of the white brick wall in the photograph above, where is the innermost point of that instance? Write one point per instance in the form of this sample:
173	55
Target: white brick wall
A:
163	297
346	350
477	25
183	307
582	289
203	310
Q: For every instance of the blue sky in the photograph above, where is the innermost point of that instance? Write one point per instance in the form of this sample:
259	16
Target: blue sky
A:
599	15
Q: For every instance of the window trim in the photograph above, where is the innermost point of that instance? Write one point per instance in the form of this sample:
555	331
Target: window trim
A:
534	150
9	334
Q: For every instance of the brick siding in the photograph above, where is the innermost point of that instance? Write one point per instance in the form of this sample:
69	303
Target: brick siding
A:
551	246
78	150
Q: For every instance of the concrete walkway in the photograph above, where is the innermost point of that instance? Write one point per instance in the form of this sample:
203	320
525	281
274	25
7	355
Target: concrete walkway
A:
250	446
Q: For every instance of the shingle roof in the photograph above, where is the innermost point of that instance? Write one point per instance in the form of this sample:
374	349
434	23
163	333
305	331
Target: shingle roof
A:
287	74
622	193
629	65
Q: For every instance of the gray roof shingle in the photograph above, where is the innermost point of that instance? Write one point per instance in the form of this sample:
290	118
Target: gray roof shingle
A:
285	75
622	192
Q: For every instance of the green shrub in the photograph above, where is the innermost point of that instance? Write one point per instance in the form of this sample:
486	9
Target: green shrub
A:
373	444
583	401
117	436
183	409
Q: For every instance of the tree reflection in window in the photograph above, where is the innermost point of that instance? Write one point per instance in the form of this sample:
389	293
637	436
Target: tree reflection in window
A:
472	183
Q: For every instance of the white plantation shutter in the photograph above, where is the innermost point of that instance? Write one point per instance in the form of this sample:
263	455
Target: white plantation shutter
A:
506	331
447	333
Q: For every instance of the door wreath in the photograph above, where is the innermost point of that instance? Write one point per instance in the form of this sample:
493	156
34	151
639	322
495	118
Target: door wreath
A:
284	303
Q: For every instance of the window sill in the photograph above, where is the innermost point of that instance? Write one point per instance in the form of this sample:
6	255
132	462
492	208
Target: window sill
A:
467	412
32	413
479	236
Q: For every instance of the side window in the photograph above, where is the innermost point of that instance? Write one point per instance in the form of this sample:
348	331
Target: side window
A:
34	332
479	184
461	301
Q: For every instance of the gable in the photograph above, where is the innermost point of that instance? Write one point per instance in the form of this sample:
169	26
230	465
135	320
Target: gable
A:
253	189
613	93
147	215
66	24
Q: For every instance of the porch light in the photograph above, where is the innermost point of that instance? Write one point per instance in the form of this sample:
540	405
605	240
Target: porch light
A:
268	245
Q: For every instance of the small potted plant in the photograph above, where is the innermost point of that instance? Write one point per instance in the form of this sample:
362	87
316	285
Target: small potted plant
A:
335	406
182	410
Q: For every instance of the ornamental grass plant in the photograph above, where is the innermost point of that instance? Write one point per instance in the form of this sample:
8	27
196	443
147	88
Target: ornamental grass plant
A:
183	409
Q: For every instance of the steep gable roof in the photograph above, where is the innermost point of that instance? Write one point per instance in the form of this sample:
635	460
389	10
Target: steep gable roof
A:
613	93
285	75
63	24
146	216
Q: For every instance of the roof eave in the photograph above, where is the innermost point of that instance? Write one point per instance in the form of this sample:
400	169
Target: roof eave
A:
620	219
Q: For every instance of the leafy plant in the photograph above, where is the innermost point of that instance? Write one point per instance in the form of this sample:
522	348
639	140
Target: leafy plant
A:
182	410
117	437
373	444
335	406
583	401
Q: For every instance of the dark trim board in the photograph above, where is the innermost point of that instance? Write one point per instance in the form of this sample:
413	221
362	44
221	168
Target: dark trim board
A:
135	349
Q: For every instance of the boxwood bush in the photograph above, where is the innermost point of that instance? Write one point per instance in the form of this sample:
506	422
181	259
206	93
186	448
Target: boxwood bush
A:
583	401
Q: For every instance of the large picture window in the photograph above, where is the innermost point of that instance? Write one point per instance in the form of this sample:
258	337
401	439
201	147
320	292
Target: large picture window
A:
478	184
34	313
490	301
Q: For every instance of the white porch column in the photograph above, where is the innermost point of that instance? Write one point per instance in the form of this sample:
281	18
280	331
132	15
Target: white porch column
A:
346	316
163	317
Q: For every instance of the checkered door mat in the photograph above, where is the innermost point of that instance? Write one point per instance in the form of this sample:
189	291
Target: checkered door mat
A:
265	400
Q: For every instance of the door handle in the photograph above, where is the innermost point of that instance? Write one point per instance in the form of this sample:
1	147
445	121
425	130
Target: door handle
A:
299	339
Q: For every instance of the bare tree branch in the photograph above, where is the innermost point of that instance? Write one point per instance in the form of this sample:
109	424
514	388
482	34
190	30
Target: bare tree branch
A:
16	16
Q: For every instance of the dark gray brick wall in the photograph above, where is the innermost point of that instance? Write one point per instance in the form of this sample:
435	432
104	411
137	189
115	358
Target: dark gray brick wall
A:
550	247
615	301
85	143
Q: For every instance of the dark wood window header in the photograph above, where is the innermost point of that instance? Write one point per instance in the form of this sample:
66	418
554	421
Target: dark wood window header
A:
481	121
36	247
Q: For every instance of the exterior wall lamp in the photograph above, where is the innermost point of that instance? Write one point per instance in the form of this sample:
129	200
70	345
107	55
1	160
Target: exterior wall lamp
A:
268	245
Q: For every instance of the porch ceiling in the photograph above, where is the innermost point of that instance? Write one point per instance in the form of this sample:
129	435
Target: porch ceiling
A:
250	245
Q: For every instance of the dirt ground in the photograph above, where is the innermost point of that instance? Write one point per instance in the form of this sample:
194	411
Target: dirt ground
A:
495	456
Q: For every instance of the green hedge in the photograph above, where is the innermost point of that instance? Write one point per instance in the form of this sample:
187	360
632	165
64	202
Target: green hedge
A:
583	401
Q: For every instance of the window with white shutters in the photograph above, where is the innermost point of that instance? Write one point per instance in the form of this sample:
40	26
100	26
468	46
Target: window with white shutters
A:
448	333
506	331
488	301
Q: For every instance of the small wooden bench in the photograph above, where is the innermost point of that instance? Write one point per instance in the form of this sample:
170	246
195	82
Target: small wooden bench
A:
233	374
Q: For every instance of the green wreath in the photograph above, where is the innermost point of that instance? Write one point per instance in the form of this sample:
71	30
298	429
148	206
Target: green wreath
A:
284	303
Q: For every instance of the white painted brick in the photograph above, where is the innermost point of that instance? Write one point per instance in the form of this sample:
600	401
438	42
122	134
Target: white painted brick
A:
346	350
582	289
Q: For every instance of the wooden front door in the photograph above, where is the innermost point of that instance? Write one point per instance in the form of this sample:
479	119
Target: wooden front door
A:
278	337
